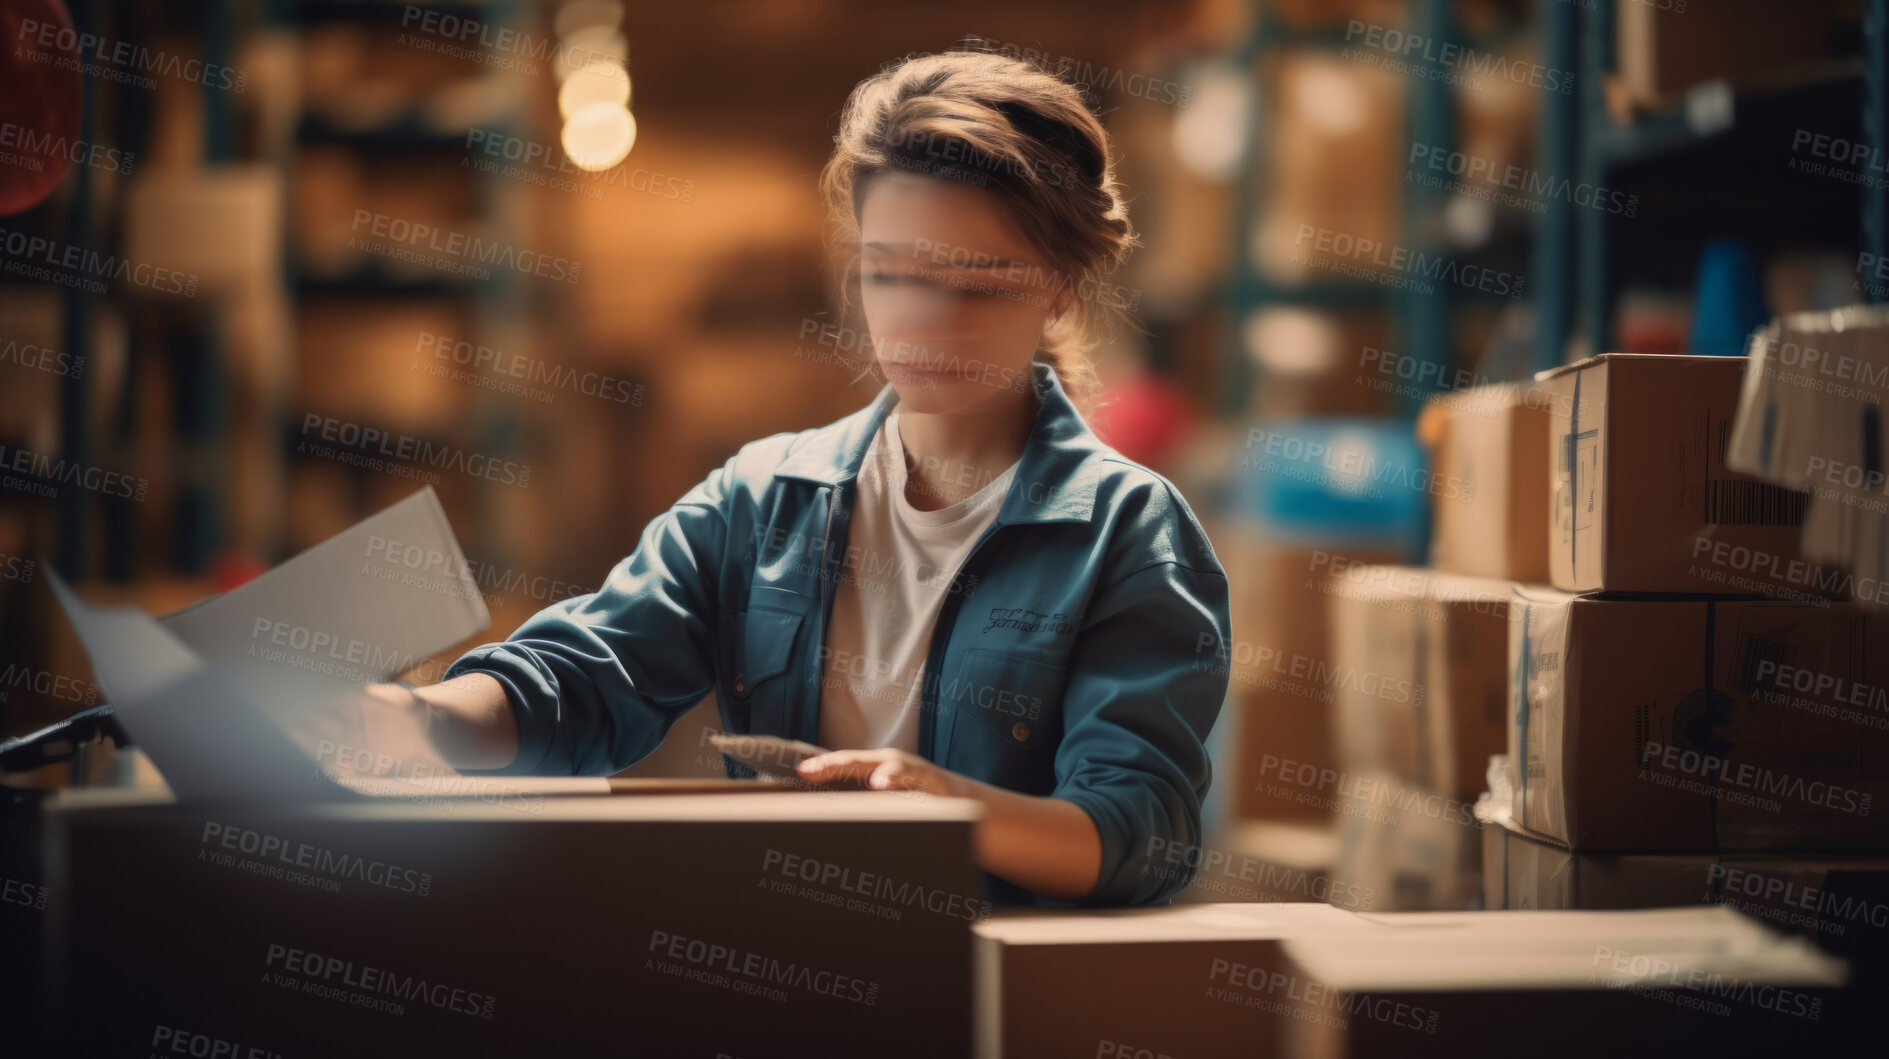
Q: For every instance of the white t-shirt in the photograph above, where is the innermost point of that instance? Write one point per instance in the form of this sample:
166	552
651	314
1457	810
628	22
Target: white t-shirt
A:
899	566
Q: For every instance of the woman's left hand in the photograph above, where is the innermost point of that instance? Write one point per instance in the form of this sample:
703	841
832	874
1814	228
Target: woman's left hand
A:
883	769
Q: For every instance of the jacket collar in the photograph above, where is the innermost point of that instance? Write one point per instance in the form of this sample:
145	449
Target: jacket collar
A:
1051	484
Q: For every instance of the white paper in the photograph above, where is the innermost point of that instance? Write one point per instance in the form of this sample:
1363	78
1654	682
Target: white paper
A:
258	694
362	606
193	722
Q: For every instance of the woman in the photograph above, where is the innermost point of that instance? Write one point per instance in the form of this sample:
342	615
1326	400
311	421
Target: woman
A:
958	588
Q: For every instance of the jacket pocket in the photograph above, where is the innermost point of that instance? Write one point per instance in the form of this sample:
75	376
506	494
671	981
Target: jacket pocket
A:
1017	701
757	647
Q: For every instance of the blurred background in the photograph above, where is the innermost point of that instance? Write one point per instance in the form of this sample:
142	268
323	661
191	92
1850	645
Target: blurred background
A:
578	244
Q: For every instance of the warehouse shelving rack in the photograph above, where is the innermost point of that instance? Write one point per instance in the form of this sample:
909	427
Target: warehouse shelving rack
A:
1577	284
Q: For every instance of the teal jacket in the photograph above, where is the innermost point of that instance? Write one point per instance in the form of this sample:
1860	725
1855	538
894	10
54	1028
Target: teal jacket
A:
1079	653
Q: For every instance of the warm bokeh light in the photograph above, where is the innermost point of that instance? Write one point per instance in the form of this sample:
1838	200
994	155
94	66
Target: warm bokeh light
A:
599	135
589	45
1210	134
602	81
1291	341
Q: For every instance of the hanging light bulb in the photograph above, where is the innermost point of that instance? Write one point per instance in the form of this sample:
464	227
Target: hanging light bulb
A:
588	45
598	135
599	81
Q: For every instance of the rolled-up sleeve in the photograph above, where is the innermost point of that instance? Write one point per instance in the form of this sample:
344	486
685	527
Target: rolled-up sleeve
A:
1145	686
597	680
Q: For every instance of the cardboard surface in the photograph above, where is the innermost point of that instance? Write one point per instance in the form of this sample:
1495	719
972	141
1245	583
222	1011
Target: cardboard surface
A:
1664	49
1406	847
1186	980
1642	498
1697	725
683	925
1423	657
1496	439
1671	981
1843	902
1811	417
1281	684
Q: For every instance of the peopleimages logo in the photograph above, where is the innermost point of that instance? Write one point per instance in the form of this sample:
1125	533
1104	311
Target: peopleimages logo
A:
423	243
1814	904
494	369
46	474
39	358
872	885
712	963
1441	59
1508	184
281	854
1398	266
1275	880
75	266
1720	772
41	145
118	60
358	441
331	977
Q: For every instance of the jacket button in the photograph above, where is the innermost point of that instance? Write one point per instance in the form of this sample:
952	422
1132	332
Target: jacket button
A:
1020	730
741	683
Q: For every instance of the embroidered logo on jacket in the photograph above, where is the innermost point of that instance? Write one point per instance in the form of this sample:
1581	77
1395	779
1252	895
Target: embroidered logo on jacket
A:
1027	620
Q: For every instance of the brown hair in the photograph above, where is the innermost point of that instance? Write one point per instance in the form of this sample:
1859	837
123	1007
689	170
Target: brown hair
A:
1019	131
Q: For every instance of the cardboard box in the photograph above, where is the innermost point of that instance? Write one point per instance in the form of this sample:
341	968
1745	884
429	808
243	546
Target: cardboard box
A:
1810	417
1421	661
1338	190
538	925
1264	861
1131	982
1662	49
1843	902
1405	847
1494	439
1698	724
1695	981
1280	685
1643	499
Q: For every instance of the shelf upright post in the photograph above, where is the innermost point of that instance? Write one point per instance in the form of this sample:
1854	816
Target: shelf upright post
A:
1420	319
1875	236
1594	296
77	307
1556	139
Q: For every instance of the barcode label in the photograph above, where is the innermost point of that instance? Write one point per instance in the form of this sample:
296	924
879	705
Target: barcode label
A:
1753	504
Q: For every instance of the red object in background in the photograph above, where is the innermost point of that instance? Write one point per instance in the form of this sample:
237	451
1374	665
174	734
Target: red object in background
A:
39	101
1143	418
233	569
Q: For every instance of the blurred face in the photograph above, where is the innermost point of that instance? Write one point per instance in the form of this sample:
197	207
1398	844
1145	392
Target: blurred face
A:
955	299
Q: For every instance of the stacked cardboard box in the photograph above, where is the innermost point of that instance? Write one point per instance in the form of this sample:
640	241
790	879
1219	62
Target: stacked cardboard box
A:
1156	981
1842	902
1663	49
1420	656
1690	719
1305	980
1643	500
1279	698
1693	981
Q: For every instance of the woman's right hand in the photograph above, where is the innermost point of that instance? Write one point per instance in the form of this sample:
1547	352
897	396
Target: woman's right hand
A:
401	732
468	720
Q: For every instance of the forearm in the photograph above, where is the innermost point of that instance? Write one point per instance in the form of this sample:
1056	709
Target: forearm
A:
469	721
1046	845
